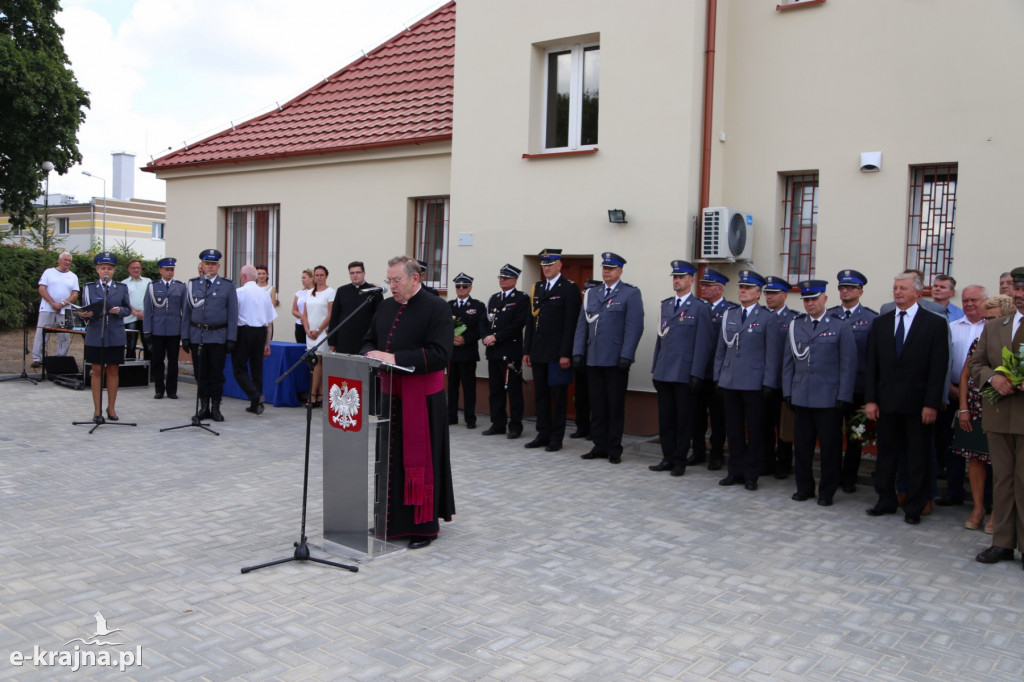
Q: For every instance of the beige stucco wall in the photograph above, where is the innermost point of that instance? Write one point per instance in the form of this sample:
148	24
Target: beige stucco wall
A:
812	88
648	149
334	210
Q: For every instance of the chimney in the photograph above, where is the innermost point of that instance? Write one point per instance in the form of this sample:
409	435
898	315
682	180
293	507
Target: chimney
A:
124	175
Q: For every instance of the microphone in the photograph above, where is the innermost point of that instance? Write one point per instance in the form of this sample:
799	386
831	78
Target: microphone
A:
207	277
106	280
382	289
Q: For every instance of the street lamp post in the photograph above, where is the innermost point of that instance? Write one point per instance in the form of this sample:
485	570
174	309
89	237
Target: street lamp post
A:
104	180
47	166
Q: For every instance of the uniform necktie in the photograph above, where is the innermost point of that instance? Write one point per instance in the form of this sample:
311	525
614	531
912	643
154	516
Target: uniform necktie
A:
679	304
1018	339
901	332
743	316
847	314
607	292
814	325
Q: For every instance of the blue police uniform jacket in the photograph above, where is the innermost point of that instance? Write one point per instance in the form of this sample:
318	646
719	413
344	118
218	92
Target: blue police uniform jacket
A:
860	322
609	328
716	326
784	317
686	341
117	296
820	366
747	354
210	312
163	308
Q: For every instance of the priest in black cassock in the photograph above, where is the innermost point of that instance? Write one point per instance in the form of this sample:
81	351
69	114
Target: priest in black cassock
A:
414	329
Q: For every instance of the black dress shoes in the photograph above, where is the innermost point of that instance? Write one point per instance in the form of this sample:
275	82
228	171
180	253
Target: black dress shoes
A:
693	458
514	433
994	555
593	454
172	396
419	542
615	459
912	519
470	425
947	501
678	469
579	433
536	443
716	463
750	485
663	465
453	420
781	475
552	447
493	431
730	480
879	511
824	501
158	396
800	497
849	488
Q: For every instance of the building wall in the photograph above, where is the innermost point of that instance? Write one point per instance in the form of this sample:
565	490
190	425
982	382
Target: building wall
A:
333	210
811	88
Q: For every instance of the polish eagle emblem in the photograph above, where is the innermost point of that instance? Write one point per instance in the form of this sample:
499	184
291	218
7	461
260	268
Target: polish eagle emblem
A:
344	403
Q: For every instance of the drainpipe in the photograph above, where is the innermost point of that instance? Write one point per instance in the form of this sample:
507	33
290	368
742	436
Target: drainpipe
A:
708	101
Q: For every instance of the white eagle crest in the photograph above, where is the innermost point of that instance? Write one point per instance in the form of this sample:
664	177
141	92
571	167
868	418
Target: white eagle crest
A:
344	405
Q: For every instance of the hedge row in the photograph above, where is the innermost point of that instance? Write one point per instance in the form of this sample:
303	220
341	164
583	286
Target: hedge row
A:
22	266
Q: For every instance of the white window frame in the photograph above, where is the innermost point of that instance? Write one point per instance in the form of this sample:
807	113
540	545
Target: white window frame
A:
159	230
62	225
422	205
575	96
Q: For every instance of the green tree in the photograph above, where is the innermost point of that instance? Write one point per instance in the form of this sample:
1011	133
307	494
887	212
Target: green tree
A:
41	104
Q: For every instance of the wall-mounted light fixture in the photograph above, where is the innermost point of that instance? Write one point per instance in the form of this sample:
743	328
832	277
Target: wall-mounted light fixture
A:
616	215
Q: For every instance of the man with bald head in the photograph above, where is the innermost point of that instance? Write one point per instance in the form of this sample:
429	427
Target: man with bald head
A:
255	315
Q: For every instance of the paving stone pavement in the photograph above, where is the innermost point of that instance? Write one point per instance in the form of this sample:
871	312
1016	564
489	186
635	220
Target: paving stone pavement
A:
554	568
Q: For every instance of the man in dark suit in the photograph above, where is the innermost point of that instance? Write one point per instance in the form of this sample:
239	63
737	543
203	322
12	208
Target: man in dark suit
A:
707	403
685	342
472	313
1004	425
507	312
904	385
347	299
548	348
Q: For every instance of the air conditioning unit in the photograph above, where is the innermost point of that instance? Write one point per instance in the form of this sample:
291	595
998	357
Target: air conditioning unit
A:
727	234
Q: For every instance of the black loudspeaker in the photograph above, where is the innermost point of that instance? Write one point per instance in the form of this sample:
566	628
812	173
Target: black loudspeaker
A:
62	364
134	373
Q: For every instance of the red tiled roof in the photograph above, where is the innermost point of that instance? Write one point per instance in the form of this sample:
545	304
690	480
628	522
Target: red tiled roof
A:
400	93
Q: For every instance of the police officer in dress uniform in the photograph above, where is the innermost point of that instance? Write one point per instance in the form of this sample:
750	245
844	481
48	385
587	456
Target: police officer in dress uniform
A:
778	453
708	403
161	327
472	313
209	323
859	318
818	376
747	374
685	341
582	393
608	332
507	312
548	348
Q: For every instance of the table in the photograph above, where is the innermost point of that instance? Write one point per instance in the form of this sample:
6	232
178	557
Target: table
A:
282	356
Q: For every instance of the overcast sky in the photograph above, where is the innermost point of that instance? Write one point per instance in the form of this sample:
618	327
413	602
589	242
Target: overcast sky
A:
163	72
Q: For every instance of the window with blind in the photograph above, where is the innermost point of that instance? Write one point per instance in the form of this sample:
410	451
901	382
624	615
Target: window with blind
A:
931	219
431	239
252	237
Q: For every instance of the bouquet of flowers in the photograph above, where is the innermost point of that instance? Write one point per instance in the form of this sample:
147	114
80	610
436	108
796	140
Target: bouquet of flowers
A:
459	327
1012	368
861	429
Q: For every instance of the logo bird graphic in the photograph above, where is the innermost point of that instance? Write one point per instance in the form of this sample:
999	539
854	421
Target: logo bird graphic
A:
101	631
344	404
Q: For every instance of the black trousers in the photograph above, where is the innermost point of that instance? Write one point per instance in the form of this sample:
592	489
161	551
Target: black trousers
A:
164	347
902	433
708	407
675	419
300	334
744	425
582	399
247	360
778	454
497	370
954	462
823	425
607	408
462	374
208	362
551	402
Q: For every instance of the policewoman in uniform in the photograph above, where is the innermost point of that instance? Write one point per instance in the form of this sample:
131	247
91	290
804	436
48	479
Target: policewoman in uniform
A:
548	348
161	327
104	342
818	374
209	324
685	343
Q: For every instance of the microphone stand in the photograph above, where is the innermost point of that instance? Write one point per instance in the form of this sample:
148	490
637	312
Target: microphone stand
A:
103	370
197	366
310	359
26	315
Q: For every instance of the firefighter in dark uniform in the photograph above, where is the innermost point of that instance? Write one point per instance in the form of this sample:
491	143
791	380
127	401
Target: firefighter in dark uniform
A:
472	313
209	324
548	348
507	313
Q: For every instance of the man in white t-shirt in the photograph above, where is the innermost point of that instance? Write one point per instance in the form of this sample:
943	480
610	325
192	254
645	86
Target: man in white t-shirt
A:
58	288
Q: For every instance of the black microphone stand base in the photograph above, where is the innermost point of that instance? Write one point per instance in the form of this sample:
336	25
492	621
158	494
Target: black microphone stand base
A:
196	422
24	352
102	422
301	554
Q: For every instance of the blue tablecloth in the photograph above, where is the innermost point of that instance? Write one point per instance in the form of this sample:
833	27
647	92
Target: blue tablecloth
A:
282	356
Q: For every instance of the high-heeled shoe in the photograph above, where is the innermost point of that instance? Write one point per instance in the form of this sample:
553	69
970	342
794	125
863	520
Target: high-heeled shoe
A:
112	417
974	522
98	419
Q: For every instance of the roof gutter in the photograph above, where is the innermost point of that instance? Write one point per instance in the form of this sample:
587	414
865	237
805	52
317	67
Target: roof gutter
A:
708	101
